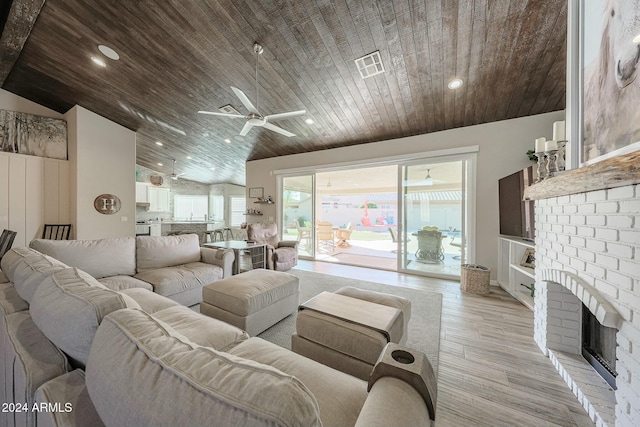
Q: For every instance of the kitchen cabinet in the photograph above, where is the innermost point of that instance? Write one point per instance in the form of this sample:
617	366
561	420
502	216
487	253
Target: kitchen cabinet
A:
155	229
142	192
158	199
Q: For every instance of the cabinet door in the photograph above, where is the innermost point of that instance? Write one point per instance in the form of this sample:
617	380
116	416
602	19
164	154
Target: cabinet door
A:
158	199
163	199
142	192
155	229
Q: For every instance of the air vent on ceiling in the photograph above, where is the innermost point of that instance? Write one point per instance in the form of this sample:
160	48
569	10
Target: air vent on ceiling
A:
228	109
370	65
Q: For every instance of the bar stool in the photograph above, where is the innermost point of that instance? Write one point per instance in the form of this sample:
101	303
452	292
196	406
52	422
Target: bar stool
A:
228	233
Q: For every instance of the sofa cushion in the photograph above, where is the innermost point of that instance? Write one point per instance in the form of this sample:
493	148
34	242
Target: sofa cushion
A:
27	268
172	280
202	330
140	362
340	396
165	251
69	393
149	301
119	283
100	258
68	307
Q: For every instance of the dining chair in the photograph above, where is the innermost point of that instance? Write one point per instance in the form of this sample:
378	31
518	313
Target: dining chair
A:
56	231
325	233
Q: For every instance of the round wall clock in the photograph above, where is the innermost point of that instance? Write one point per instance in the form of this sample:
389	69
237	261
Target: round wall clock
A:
156	180
107	204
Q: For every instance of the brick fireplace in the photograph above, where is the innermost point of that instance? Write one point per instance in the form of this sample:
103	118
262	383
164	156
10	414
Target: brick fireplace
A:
587	252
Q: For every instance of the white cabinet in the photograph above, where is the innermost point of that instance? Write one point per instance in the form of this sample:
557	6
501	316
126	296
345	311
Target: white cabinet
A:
158	199
142	192
513	277
155	229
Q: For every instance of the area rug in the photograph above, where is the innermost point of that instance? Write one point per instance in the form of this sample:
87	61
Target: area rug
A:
426	310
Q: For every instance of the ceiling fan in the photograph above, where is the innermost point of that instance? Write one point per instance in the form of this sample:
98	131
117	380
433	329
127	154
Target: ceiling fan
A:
173	174
254	118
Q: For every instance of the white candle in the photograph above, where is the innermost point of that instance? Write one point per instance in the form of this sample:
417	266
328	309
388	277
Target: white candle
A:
559	131
540	144
550	145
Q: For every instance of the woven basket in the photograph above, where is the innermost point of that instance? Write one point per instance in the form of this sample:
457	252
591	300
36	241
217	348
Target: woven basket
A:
475	279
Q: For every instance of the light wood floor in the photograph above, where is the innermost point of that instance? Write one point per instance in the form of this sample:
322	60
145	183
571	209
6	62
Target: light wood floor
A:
491	372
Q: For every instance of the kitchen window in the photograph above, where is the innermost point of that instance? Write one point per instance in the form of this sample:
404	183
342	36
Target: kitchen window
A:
238	210
189	208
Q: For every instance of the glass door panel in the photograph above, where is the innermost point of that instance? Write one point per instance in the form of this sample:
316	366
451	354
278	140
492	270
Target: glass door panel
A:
297	212
431	241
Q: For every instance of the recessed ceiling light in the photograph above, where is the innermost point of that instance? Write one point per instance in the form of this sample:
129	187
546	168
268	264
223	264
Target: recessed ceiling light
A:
98	61
212	168
636	39
189	157
159	143
108	52
227	140
309	121
160	164
455	84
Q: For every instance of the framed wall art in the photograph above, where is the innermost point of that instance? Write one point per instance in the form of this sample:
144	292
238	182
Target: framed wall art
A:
609	62
256	192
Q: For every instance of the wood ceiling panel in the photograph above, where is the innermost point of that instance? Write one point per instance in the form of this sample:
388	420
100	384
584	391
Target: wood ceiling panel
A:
178	57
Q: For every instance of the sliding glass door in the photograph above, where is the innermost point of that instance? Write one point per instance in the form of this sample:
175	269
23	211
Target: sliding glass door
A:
298	212
434	236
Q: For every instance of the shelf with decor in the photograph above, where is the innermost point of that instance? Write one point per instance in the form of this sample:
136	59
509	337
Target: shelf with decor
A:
253	214
516	269
264	202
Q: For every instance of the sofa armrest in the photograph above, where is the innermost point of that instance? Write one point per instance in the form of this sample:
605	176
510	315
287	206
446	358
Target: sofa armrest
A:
288	244
402	389
392	401
222	257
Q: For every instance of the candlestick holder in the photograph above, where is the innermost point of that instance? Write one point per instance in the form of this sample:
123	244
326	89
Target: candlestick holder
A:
552	165
542	166
561	156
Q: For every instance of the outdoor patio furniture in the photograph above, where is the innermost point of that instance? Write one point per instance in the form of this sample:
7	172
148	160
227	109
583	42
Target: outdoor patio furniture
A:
394	237
325	233
429	246
343	235
303	233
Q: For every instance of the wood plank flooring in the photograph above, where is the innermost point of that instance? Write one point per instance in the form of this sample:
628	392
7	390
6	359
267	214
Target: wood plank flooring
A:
491	372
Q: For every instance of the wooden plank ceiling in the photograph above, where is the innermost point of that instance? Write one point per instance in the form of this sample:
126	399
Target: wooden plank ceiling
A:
178	57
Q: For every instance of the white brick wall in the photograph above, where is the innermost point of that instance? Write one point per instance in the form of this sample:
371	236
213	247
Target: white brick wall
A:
596	237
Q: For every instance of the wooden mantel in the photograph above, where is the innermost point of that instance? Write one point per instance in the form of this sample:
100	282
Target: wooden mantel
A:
614	172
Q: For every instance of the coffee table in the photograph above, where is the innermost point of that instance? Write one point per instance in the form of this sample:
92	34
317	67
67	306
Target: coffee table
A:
258	252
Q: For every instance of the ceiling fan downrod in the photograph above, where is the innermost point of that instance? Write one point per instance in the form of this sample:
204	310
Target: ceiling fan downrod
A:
257	48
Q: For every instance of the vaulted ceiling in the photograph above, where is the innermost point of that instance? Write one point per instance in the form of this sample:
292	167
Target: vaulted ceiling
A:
181	56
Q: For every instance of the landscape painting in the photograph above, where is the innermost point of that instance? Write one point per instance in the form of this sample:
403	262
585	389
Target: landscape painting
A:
33	135
611	89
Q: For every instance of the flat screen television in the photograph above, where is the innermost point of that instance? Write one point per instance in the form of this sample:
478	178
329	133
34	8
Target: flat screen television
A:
516	214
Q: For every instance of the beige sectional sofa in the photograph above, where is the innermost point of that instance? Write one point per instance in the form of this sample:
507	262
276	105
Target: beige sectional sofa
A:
99	356
172	266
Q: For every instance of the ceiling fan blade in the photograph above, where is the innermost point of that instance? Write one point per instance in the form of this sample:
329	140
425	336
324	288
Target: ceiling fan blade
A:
278	129
281	116
245	130
235	116
245	101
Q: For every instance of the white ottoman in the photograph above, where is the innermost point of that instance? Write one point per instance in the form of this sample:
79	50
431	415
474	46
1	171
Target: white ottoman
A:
352	338
254	300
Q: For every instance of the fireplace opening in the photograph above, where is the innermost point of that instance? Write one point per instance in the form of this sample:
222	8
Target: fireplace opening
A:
599	346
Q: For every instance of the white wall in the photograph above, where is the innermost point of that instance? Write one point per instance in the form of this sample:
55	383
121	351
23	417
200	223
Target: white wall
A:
503	146
102	156
12	102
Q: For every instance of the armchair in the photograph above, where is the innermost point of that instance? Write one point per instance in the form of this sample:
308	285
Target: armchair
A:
281	254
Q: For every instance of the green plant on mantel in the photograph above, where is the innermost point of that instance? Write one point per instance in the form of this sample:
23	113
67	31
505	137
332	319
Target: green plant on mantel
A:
532	156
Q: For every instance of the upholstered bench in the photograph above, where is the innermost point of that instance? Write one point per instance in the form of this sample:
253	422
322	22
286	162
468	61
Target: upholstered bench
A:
348	330
254	300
